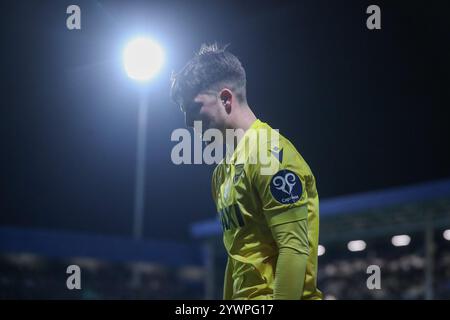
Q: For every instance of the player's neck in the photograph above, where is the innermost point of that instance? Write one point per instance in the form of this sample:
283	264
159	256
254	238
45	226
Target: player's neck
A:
244	118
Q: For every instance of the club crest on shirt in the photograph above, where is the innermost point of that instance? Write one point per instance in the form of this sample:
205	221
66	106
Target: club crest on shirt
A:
286	187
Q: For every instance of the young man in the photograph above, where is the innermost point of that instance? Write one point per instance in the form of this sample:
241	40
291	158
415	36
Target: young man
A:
270	220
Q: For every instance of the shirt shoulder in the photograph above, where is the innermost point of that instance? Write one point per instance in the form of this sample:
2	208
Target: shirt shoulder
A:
275	152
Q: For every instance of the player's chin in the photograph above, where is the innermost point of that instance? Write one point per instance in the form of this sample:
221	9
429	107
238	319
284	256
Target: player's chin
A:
211	124
206	124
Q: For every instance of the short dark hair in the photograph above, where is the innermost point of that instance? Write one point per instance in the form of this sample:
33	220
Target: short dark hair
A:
212	68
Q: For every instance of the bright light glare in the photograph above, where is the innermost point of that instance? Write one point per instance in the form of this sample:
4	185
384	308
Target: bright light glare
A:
321	250
401	240
142	59
356	245
447	234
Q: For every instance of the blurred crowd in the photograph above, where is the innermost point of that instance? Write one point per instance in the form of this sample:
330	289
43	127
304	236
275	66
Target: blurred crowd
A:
341	275
26	276
402	274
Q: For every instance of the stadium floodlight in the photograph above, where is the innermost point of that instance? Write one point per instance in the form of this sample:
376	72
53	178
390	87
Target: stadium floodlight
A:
142	59
321	250
356	245
446	234
401	240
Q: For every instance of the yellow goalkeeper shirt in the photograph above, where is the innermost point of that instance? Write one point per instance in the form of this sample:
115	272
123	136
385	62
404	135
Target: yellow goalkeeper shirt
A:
264	183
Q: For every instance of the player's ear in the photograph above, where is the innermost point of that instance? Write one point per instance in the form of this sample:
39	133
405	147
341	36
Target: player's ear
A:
226	97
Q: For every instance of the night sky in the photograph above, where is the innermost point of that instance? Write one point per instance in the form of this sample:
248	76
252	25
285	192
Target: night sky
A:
366	109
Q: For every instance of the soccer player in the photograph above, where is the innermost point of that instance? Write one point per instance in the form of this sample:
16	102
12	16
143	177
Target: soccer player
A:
270	220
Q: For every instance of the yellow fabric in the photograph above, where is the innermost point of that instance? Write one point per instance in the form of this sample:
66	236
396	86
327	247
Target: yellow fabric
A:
228	281
252	197
292	242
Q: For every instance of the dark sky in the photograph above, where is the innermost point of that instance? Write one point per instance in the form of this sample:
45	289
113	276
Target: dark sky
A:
366	109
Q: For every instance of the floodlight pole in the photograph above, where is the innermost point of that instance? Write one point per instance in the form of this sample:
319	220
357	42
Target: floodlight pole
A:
139	193
139	189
